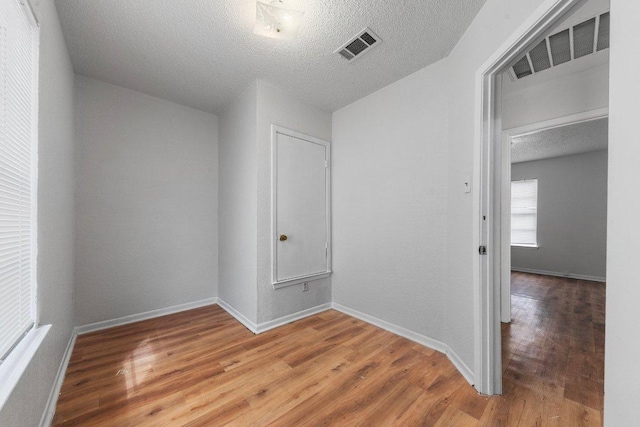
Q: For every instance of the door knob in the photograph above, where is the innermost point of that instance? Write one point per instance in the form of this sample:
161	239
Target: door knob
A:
283	237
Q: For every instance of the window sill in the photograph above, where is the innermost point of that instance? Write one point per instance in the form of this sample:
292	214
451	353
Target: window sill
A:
298	280
526	246
16	363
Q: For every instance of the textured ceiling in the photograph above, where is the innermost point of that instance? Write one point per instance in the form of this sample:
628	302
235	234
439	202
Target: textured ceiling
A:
202	53
561	141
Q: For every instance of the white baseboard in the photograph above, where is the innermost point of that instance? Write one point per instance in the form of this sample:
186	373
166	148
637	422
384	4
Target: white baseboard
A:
398	330
558	274
272	324
47	416
98	326
50	408
460	365
413	336
258	328
250	325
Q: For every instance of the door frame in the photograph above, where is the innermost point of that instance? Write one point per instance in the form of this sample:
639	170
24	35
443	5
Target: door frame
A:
275	130
507	135
488	200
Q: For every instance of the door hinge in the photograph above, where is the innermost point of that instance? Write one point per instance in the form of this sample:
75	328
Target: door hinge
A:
482	250
326	163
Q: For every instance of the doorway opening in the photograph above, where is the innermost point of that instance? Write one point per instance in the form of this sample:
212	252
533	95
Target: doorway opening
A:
553	295
494	150
569	213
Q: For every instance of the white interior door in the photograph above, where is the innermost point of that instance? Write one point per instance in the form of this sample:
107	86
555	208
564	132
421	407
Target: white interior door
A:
301	226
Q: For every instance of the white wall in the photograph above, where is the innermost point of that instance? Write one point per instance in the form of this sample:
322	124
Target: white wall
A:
362	196
495	22
277	107
245	202
622	351
572	215
56	218
390	200
238	205
564	96
146	203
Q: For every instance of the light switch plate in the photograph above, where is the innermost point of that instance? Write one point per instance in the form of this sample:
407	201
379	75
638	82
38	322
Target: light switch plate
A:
467	184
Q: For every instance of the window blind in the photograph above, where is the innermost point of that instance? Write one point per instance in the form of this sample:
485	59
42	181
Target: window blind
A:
18	142
524	212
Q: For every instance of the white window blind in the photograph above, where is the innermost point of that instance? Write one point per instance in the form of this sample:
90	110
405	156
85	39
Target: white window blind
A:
524	212
18	143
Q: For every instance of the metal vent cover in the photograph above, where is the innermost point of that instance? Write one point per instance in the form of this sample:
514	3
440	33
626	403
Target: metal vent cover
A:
358	45
603	32
580	40
522	68
560	47
540	57
583	37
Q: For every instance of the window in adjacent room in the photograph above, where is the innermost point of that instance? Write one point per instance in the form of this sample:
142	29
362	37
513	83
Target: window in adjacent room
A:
524	213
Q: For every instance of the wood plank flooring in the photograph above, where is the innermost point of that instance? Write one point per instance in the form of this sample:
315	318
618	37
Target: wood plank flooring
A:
553	350
202	368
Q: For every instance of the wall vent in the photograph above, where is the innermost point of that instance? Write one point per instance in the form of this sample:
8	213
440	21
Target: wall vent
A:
580	40
359	45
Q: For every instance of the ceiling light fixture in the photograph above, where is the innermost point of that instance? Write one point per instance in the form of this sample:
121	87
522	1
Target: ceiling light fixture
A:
276	21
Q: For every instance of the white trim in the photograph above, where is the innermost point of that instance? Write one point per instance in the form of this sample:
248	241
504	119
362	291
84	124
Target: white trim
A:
50	408
47	416
462	367
275	130
272	324
486	201
424	340
250	325
31	14
106	324
49	412
571	44
18	359
297	280
505	211
533	71
571	119
549	51
258	328
35	174
558	274
507	135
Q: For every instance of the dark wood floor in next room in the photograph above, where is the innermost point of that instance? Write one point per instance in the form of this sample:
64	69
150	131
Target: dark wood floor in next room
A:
203	368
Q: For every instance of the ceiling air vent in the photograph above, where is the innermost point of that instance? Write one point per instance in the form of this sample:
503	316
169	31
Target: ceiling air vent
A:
359	45
582	39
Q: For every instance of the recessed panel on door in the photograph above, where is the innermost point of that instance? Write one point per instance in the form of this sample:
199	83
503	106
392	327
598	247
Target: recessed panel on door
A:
301	207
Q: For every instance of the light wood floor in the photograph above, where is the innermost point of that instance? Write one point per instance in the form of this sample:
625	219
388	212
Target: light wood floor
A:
201	367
